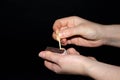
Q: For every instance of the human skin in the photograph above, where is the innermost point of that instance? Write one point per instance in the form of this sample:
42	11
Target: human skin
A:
76	64
81	32
70	63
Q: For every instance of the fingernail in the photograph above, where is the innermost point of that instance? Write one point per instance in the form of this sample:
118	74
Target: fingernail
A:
42	54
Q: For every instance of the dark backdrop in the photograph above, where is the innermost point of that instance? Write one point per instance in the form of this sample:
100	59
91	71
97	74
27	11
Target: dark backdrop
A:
26	29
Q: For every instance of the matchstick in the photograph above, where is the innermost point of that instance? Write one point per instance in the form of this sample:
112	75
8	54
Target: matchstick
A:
58	38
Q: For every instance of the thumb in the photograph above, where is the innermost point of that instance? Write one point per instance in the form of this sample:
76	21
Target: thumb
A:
70	31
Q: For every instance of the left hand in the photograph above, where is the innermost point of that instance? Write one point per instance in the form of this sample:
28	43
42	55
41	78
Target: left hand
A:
70	63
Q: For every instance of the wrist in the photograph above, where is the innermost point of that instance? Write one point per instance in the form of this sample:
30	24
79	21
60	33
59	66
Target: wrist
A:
111	35
92	68
87	64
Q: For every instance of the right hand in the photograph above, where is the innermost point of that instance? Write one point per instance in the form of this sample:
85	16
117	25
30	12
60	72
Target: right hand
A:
78	31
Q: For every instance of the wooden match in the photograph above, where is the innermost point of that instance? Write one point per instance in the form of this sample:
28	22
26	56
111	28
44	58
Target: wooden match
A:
58	38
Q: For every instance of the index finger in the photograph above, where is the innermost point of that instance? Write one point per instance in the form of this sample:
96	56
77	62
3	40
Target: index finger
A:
59	24
63	22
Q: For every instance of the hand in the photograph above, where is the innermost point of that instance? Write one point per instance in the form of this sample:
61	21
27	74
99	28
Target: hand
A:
74	63
78	31
70	63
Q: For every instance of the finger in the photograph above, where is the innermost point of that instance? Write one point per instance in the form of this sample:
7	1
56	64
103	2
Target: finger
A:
64	42
50	56
52	66
54	36
63	22
70	31
84	42
59	24
72	51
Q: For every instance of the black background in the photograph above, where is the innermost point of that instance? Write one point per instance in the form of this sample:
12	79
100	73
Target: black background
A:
26	29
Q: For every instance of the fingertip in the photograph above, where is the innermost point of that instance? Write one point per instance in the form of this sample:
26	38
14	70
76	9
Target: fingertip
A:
41	54
72	51
54	36
47	63
64	42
